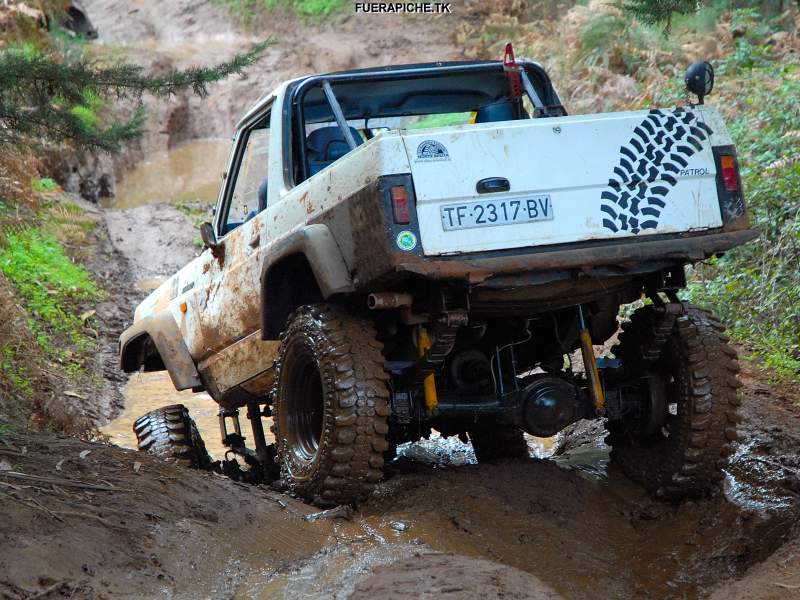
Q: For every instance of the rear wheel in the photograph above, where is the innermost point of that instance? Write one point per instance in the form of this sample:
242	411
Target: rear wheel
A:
678	445
498	441
170	433
330	406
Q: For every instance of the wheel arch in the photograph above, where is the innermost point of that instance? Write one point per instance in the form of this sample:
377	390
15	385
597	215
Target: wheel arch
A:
156	343
306	267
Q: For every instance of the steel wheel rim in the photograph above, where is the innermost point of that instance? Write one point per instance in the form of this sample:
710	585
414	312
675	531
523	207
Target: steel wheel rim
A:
305	410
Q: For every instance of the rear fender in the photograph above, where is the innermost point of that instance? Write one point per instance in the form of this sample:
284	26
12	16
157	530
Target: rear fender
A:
317	248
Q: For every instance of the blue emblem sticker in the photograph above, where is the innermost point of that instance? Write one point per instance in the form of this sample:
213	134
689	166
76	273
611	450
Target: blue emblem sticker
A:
432	151
406	240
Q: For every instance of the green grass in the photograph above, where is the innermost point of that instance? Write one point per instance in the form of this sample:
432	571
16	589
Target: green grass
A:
51	287
756	288
14	371
309	10
443	120
198	212
43	184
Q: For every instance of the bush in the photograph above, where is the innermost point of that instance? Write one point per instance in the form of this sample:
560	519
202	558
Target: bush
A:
43	184
756	288
66	109
611	41
312	10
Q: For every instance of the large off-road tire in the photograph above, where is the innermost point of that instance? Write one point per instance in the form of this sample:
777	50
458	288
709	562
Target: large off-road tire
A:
697	371
497	442
330	406
170	433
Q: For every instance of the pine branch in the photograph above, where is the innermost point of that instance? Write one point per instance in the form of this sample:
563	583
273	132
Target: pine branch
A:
56	98
657	12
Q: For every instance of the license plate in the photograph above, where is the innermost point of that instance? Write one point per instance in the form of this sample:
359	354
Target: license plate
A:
487	213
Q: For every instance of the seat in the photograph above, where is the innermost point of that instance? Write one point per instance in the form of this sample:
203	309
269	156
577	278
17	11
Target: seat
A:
505	110
326	145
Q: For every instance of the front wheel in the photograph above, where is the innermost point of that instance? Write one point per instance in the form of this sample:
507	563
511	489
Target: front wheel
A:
170	433
330	406
678	445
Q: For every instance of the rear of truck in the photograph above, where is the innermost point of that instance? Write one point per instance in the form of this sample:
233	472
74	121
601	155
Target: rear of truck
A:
534	213
503	193
505	244
536	184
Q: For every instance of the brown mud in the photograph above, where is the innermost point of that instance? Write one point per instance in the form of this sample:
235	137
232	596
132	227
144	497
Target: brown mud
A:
573	525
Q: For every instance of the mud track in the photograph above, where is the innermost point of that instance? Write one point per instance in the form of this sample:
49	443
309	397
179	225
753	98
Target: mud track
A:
526	528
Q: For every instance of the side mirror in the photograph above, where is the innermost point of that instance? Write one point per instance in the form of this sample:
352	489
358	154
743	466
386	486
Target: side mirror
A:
210	241
207	235
700	79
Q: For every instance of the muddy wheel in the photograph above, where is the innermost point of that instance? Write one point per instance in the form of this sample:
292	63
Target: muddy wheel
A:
170	433
497	442
678	447
331	406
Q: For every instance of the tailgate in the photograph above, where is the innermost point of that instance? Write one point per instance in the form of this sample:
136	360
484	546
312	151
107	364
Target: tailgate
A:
570	179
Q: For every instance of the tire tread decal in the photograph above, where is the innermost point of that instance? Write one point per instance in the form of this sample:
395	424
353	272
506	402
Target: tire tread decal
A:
647	167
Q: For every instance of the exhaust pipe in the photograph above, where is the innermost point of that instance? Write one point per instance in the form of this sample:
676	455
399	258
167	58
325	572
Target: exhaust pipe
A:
385	300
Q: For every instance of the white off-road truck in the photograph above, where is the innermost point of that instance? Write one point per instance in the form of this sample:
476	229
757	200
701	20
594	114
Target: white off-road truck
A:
425	246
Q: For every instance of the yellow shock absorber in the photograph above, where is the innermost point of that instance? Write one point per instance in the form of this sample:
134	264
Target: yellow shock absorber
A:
590	365
429	383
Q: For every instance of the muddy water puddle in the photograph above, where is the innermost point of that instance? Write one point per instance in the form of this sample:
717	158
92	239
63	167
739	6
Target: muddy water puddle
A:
188	173
148	391
585	536
574	522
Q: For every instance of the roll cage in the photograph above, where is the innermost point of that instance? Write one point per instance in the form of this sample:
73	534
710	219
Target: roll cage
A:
406	90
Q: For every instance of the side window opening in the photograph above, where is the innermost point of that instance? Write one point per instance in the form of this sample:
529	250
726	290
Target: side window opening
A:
249	194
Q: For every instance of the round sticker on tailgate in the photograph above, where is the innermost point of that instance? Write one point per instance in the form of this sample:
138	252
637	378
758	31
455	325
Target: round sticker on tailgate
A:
406	240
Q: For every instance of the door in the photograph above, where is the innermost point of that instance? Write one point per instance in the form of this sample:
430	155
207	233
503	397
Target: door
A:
229	311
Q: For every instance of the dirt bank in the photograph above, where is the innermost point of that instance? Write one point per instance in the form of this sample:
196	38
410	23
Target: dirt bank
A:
155	240
170	35
572	527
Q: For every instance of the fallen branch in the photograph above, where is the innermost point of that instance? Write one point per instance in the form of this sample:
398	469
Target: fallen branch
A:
47	510
82	515
47	591
12	486
11	452
786	586
64	482
776	464
343	511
